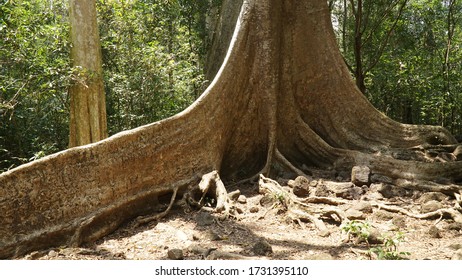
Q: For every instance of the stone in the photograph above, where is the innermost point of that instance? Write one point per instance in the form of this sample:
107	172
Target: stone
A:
429	196
361	175
399	222
234	195
254	209
212	236
378	178
434	232
242	199
267	201
383	215
175	254
375	237
300	186
455	226
431	206
322	191
363	206
204	219
52	254
353	214
262	248
344	190
457	255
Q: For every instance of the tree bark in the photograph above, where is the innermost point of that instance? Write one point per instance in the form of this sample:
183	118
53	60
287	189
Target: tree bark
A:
88	101
282	94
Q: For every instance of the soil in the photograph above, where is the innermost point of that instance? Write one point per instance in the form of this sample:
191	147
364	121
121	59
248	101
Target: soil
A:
262	229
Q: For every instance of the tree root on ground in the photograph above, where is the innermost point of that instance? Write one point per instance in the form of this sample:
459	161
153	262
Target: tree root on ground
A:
142	220
212	185
315	209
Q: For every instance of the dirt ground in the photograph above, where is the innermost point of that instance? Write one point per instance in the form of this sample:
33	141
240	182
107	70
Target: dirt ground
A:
262	229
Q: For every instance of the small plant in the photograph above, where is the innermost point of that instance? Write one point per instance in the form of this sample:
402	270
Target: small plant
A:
357	229
389	250
280	198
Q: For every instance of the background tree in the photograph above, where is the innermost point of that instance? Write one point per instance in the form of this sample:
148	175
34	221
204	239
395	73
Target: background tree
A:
35	74
366	28
87	97
282	71
409	81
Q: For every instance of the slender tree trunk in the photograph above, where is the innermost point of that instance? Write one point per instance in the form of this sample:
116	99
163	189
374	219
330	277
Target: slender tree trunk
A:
88	102
283	95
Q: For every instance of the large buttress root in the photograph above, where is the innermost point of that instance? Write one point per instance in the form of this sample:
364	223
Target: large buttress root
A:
283	94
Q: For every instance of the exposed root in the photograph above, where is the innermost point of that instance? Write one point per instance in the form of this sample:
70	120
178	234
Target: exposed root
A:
211	184
454	214
147	219
421	185
282	159
297	209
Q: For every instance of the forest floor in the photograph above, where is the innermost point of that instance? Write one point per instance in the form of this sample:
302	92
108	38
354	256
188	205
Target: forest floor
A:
262	228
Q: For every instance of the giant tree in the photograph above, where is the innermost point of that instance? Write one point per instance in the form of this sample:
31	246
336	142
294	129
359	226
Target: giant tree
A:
88	103
283	95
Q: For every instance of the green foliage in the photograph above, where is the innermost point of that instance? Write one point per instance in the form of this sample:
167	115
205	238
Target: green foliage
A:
34	76
358	229
152	58
152	62
388	250
417	76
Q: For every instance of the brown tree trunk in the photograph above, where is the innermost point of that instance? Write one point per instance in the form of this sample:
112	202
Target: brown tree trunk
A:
283	95
88	101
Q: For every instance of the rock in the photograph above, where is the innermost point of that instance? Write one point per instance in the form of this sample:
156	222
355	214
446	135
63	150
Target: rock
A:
455	226
344	190
363	206
457	255
212	236
239	210
399	222
375	237
242	199
429	196
267	201
322	191
204	219
431	206
383	215
234	195
175	254
300	186
353	214
377	178
361	175
302	191
262	248
389	191
52	254
434	232
254	209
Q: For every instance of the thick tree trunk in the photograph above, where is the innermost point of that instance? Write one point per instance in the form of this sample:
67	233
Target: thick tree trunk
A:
283	94
88	101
